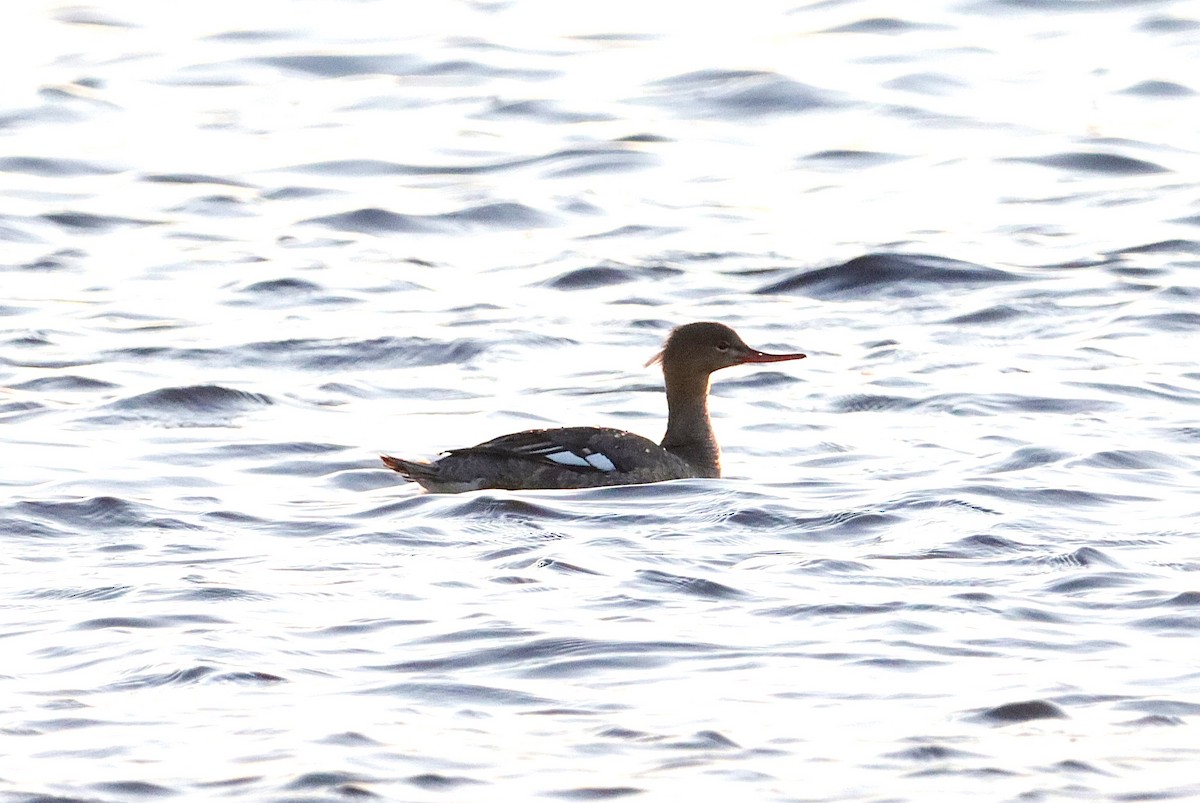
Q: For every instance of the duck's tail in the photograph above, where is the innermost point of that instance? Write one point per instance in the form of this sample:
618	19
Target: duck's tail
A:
430	476
414	470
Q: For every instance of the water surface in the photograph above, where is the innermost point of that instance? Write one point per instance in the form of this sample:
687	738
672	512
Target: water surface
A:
247	248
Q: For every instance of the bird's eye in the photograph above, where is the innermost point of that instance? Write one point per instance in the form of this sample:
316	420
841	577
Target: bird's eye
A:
723	345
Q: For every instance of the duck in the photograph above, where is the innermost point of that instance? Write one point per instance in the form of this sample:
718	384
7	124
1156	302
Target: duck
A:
589	457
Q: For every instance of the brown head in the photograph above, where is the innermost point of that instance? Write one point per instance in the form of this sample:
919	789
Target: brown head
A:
701	348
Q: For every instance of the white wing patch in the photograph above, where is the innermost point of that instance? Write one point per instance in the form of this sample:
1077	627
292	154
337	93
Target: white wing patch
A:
601	462
586	458
569	459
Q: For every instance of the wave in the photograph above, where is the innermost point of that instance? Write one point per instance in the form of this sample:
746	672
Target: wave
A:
890	275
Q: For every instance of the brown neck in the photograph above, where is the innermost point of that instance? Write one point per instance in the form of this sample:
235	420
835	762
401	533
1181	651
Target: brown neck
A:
689	432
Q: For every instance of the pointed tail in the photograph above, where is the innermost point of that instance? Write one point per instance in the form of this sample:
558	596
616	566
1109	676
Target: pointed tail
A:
413	470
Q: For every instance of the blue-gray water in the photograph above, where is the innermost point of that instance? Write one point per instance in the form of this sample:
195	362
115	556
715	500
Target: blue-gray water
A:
247	247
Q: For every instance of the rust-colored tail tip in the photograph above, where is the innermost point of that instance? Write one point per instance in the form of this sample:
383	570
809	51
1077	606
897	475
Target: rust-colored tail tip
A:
391	462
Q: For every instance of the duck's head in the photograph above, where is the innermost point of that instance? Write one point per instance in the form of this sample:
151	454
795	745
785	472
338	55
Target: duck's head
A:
704	347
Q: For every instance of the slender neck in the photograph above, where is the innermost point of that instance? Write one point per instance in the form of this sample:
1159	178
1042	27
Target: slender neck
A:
689	431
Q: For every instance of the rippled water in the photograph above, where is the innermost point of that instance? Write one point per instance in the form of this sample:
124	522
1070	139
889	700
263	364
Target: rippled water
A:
248	247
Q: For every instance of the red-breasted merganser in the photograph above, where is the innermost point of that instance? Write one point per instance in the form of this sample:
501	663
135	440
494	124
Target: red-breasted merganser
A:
585	457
